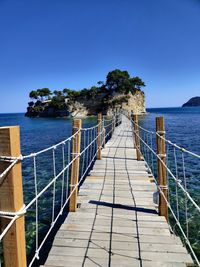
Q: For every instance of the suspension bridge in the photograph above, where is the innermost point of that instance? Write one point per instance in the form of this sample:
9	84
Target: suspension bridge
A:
110	183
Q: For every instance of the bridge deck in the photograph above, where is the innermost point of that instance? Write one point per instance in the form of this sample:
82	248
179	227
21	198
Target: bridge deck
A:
117	223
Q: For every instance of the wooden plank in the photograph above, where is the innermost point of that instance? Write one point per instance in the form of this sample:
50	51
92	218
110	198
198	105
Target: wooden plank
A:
119	245
93	261
118	237
118	254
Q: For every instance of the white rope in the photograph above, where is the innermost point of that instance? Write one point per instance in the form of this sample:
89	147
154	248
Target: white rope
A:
91	128
108	125
4	173
160	158
167	174
178	147
178	181
90	148
180	227
69	196
108	119
4	158
68	161
158	133
13	216
63	176
36	207
176	169
185	185
52	147
83	161
141	128
54	186
152	161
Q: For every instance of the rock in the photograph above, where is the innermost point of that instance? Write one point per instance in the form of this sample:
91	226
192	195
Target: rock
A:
193	102
136	103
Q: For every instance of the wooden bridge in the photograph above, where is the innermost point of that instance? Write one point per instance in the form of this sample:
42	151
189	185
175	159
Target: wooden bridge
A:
117	222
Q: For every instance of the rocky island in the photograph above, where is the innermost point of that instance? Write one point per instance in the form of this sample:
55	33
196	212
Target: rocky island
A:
193	102
119	91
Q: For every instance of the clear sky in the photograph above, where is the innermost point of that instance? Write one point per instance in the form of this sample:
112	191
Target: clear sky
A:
75	43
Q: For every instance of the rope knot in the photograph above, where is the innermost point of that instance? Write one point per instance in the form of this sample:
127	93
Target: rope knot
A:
37	255
21	157
161	132
163	187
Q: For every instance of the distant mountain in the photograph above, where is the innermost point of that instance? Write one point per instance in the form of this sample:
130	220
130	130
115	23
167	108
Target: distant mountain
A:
193	102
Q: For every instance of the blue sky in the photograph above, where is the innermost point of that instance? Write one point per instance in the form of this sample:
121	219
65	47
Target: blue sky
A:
75	43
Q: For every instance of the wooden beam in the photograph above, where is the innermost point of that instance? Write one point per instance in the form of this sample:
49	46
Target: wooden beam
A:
76	147
137	139
99	146
133	127
11	198
162	172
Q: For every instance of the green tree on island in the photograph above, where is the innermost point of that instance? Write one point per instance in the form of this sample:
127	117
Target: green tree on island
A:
121	82
45	92
33	94
40	94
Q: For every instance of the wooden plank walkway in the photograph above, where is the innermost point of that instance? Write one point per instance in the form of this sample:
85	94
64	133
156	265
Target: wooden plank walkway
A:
117	223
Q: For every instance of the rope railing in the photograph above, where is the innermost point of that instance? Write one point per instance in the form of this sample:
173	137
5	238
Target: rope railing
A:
175	193
179	147
53	170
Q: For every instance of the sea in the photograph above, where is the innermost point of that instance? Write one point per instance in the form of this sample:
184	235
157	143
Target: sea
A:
182	128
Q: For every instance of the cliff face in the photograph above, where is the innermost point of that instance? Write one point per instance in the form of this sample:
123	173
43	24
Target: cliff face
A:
193	102
136	103
107	103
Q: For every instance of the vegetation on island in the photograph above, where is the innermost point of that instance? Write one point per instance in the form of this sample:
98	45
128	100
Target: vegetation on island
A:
117	82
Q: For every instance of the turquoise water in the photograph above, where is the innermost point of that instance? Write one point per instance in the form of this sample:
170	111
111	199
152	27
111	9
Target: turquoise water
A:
182	126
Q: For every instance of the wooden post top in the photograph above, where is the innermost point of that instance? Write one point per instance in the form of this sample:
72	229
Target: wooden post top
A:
10	136
160	124
99	116
77	123
135	118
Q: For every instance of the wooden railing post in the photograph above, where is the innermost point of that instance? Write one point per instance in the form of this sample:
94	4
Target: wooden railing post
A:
76	147
112	130
133	127
113	124
99	146
11	199
104	132
137	139
162	172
